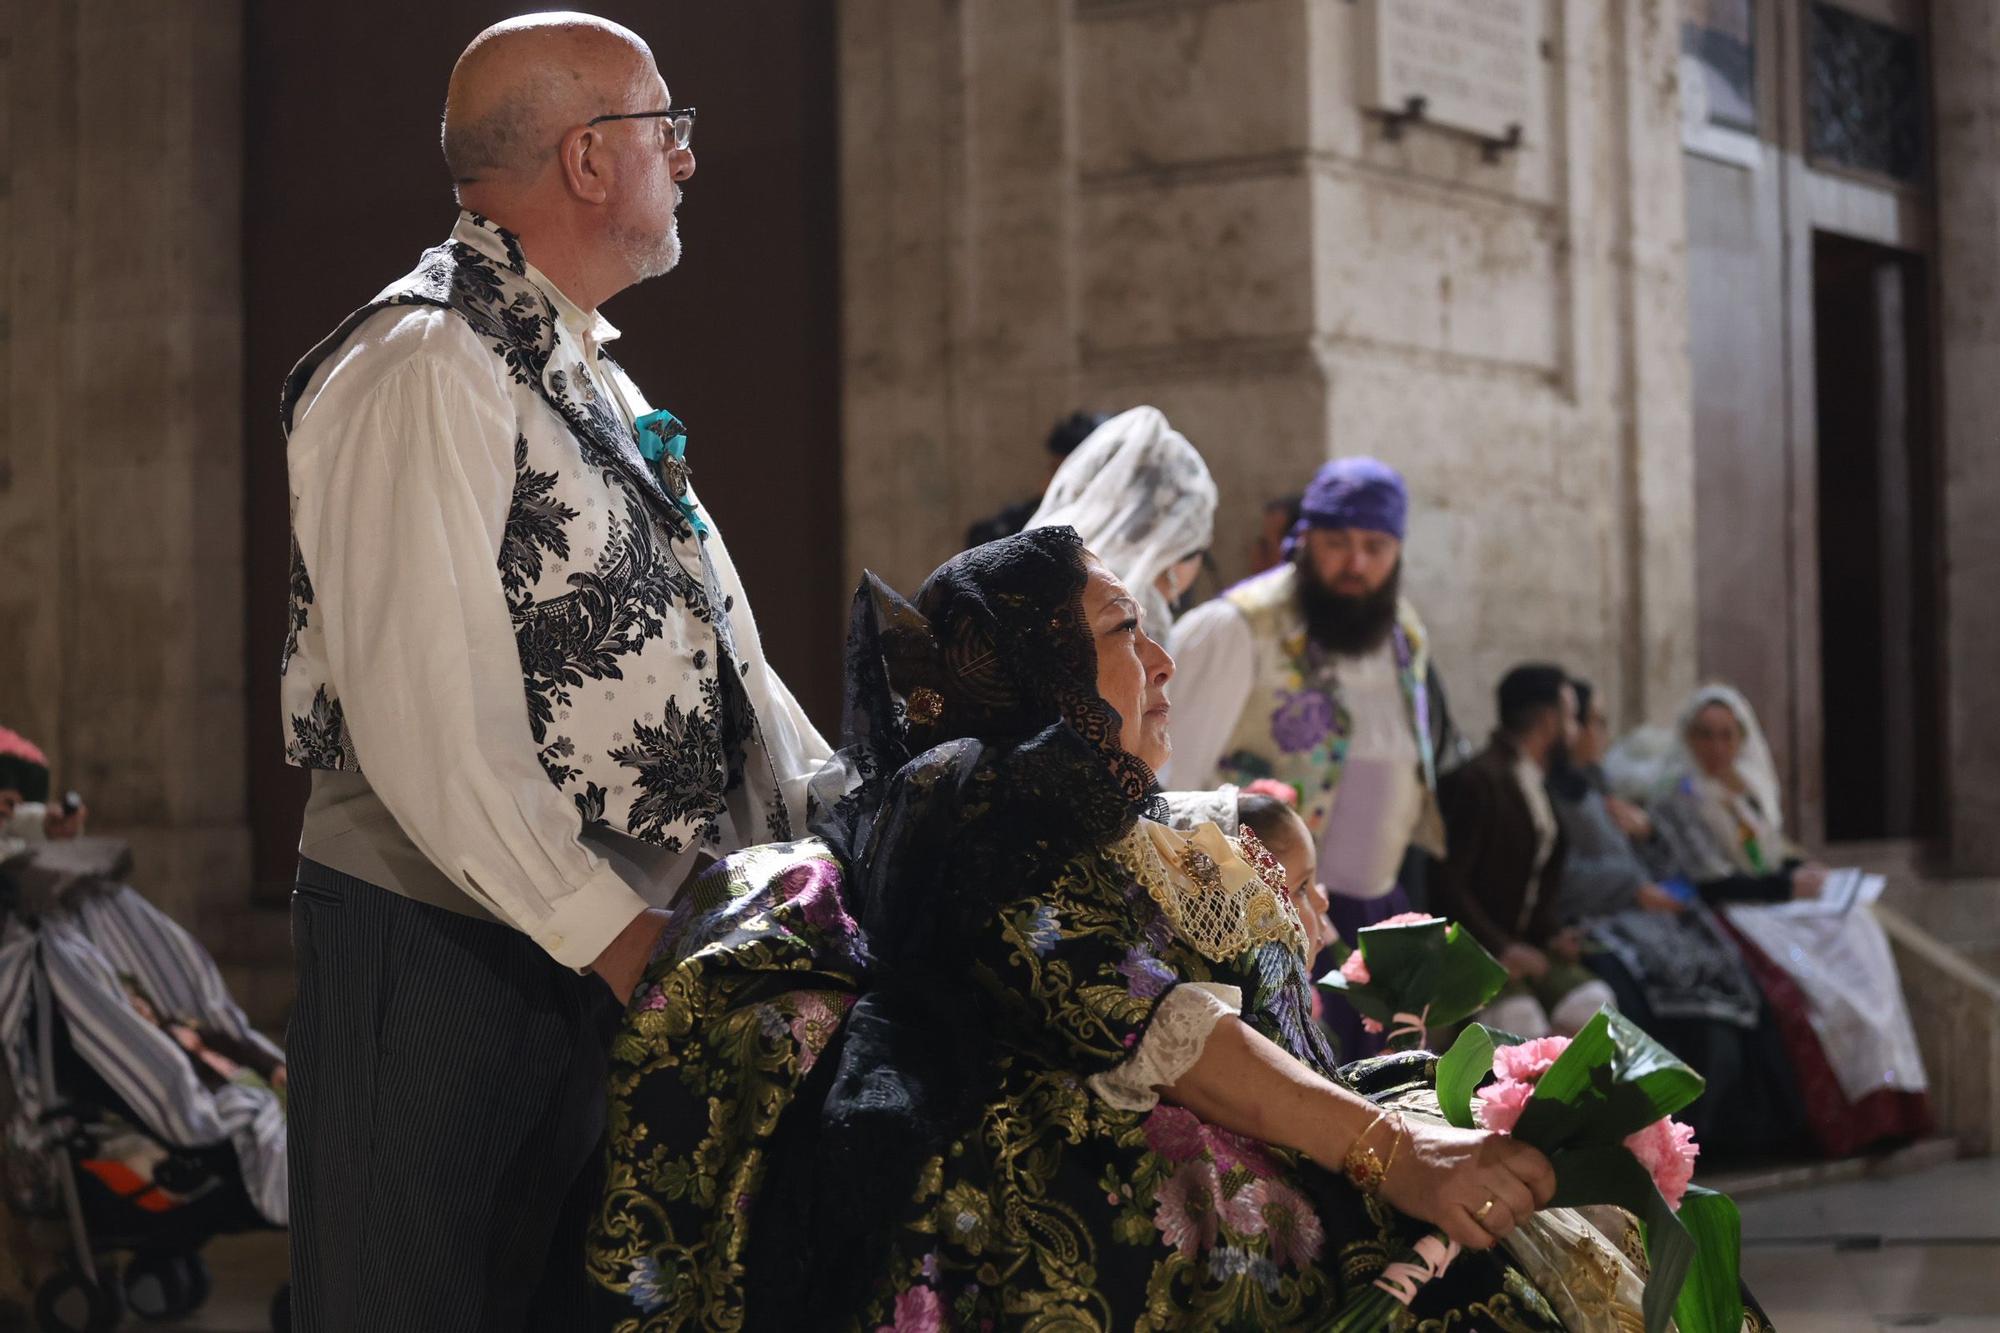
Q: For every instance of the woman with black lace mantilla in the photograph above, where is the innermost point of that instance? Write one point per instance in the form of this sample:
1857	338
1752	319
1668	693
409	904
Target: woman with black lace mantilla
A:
998	1050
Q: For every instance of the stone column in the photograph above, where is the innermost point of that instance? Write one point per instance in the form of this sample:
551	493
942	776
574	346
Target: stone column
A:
1182	202
1965	55
121	640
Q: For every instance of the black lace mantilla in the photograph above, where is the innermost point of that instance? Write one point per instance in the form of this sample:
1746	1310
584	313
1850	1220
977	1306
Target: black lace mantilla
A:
978	760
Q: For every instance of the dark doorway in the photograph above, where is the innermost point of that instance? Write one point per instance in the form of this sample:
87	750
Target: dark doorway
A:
344	186
1878	546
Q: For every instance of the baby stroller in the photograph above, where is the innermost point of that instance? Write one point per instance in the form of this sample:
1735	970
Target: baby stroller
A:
122	1142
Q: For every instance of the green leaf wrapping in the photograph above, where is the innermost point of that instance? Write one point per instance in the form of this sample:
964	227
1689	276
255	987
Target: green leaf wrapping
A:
1613	1080
1464	1067
1609	1173
1434	969
1711	1299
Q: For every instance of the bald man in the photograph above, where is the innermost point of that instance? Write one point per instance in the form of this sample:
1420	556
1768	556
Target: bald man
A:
526	680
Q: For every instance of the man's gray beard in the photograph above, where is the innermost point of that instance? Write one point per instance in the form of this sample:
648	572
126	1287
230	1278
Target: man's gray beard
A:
651	257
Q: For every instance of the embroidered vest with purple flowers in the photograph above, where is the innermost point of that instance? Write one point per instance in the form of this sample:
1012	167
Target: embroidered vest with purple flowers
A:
1295	728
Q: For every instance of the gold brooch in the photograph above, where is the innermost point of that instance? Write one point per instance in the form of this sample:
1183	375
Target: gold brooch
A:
1202	869
925	705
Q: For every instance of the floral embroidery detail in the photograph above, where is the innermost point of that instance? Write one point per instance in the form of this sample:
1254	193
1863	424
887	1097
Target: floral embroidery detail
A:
636	586
680	773
320	739
1304	718
1293	1227
1146	977
918	1310
1040	930
647	1290
535	524
1185	1209
300	611
816	1017
814	887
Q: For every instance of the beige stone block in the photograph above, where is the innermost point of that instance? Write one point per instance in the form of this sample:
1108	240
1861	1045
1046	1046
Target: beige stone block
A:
137	521
1017	315
1512	547
1195	262
188	873
1171	85
1409	266
128	642
126	384
1342	128
206	726
118	757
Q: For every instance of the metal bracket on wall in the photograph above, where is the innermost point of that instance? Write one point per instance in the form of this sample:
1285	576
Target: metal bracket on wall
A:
1491	149
1411	114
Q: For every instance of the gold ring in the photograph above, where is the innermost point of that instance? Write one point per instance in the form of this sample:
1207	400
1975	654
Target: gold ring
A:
1484	1209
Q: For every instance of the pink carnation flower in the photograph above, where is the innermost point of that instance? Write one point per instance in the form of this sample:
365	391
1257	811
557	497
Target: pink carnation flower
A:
1667	1149
1501	1104
1529	1060
1355	969
1408	919
1276	790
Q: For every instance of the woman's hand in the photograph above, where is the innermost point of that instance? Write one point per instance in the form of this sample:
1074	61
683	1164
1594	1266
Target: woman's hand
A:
61	822
1636	823
1653	898
1524	961
1449	1177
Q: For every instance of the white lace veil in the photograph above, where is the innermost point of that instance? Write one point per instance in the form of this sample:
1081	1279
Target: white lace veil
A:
1142	500
1754	763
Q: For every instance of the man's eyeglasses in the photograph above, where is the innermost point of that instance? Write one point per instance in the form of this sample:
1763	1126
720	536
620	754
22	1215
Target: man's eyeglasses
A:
680	118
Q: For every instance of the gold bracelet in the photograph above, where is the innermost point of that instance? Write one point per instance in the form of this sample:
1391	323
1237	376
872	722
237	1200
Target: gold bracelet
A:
1363	1165
1396	1144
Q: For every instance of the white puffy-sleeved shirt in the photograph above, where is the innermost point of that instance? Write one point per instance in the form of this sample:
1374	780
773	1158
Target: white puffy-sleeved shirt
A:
403	470
1380	800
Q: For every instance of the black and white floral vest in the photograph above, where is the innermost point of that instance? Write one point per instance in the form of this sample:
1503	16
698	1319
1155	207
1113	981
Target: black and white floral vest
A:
634	685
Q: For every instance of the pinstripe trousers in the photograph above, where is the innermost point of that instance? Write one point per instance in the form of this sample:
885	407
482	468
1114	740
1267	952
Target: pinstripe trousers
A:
447	1118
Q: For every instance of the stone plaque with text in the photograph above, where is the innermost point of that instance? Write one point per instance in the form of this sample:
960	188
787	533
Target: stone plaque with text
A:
1475	63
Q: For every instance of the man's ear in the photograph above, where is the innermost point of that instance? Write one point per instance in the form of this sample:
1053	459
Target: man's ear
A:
586	164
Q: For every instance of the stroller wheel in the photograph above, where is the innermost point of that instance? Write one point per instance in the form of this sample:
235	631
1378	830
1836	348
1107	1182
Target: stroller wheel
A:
166	1286
69	1303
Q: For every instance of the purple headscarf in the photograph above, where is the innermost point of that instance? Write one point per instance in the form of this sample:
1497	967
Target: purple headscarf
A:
1354	493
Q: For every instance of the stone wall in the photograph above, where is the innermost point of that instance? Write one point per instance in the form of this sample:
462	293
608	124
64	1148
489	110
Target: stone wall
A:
121	501
1181	202
1965	50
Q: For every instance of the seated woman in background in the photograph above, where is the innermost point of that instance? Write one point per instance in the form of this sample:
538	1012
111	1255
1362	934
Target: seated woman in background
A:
1674	967
1142	500
1831	978
1075	1087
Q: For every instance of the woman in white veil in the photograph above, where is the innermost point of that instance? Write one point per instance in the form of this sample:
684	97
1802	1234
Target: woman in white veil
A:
1142	500
1830	976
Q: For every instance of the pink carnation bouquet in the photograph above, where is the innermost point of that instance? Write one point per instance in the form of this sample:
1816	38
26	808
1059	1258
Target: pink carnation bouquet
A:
1412	973
1666	1148
1600	1107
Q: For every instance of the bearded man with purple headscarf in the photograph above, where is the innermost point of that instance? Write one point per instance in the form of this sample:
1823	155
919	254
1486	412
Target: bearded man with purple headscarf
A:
1317	674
